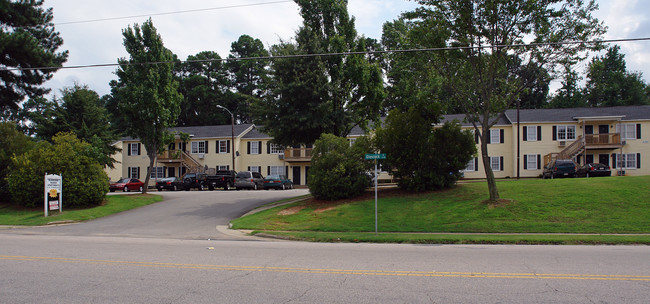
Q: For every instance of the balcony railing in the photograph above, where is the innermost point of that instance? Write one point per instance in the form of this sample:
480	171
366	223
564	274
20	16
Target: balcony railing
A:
607	139
298	154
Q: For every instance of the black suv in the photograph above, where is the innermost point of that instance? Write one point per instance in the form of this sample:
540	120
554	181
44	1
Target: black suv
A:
560	168
195	180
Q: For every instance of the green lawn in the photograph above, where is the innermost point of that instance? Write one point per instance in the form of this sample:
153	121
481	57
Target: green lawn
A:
113	204
610	205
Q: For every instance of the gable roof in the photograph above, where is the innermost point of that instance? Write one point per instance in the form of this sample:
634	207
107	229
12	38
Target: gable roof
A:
571	114
219	131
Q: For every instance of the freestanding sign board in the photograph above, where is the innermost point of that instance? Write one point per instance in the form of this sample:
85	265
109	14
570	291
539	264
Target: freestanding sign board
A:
53	193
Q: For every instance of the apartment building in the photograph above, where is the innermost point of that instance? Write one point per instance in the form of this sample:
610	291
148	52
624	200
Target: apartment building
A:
616	136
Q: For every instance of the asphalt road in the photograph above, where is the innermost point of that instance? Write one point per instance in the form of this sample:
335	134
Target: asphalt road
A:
182	215
161	254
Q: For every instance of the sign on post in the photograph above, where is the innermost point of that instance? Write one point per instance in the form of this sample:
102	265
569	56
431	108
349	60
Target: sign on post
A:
376	157
53	193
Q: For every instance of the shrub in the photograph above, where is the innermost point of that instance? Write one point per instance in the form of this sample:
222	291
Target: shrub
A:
338	170
423	157
85	183
13	142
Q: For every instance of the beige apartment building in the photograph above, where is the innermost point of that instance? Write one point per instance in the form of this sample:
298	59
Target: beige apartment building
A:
616	136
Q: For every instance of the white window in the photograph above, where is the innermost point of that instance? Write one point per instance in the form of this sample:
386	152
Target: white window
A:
471	165
134	172
223	168
352	141
134	149
277	170
495	163
198	147
255	147
627	161
531	162
276	149
495	136
257	169
223	146
628	131
158	172
531	133
566	132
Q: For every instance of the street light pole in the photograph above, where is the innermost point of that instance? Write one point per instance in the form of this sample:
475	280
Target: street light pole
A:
232	134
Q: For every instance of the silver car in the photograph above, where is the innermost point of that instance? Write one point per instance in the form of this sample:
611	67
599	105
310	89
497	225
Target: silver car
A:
249	180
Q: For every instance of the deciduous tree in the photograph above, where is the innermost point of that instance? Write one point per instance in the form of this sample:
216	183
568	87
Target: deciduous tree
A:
146	92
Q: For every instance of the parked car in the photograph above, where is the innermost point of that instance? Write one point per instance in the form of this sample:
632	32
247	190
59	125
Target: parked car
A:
560	168
195	180
280	182
593	169
249	180
127	184
169	183
222	179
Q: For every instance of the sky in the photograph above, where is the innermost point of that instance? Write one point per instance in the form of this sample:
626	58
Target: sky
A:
212	25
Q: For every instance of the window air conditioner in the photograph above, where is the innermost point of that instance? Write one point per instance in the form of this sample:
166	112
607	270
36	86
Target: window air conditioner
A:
281	156
562	143
201	156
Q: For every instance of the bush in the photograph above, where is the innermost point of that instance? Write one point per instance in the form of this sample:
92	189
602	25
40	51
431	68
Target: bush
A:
85	183
338	170
423	157
13	142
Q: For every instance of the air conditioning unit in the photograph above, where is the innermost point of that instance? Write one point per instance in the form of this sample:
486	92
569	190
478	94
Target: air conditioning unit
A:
562	143
281	156
201	156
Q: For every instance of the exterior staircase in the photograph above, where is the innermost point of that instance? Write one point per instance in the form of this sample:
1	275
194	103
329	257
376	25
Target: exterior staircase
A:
570	152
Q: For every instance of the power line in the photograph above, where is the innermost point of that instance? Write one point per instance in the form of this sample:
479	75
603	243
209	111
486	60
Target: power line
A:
174	12
522	45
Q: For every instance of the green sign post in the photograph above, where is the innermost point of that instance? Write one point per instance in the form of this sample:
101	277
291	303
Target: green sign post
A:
375	157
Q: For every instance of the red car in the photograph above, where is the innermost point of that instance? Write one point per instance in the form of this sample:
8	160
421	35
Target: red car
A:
127	184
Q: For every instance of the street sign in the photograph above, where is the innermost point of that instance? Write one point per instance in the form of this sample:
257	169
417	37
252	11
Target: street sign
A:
376	156
53	193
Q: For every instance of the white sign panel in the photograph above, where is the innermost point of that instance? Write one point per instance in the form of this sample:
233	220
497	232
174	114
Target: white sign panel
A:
53	193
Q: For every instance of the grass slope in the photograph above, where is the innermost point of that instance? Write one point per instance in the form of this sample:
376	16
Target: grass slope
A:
611	205
113	204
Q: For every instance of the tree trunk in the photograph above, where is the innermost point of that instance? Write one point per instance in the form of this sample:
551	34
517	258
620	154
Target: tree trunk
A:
487	165
152	161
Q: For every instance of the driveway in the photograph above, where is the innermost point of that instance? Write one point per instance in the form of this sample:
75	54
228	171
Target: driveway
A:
182	215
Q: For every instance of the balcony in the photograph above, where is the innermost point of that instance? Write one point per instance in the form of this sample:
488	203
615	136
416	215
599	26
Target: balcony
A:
603	141
297	154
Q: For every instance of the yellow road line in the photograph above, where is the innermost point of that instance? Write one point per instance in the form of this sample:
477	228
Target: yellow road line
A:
340	271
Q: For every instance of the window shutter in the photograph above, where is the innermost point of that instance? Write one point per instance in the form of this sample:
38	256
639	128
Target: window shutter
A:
139	149
525	161
554	132
613	161
268	147
501	163
638	131
249	168
206	146
539	161
489	137
128	151
286	170
216	147
248	149
268	170
475	136
475	163
525	136
539	133
501	135
259	147
638	160
138	171
227	146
